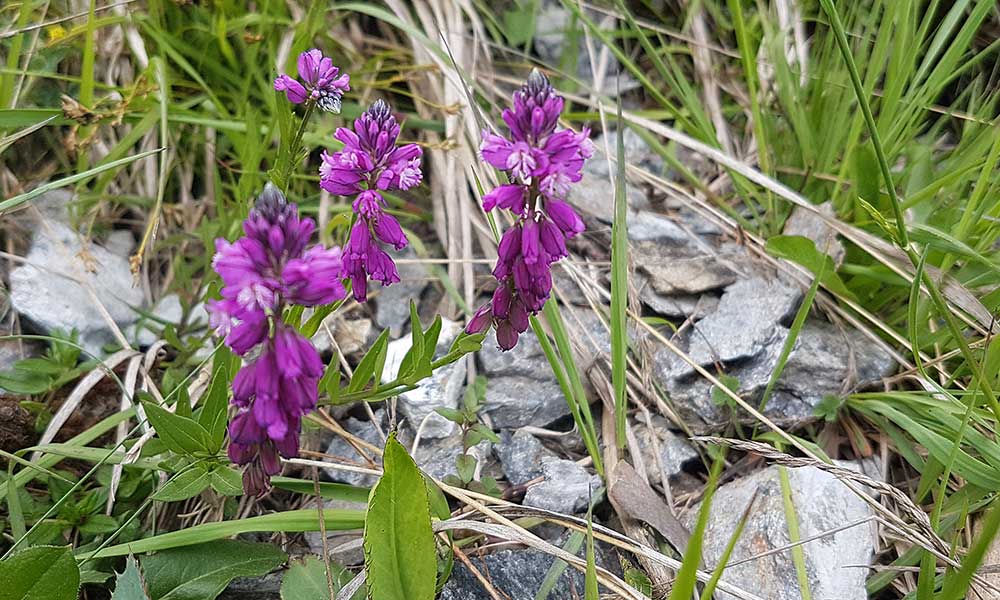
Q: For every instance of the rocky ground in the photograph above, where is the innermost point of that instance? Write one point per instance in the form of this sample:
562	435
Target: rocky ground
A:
730	311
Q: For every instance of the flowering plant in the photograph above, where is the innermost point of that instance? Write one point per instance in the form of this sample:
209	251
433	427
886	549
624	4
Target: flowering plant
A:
542	162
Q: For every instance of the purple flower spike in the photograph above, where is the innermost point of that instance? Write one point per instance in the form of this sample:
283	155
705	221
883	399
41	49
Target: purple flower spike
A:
542	162
370	163
262	273
321	82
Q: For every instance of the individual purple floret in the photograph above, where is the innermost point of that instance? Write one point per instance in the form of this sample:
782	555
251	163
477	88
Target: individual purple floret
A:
370	163
542	164
321	82
262	272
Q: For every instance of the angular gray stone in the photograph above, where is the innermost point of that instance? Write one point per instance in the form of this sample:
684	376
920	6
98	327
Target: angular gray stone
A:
351	335
567	487
675	306
595	195
50	297
824	361
747	321
553	25
441	390
821	503
637	153
393	302
676	451
436	457
521	455
341	451
120	242
518	573
806	223
648	226
520	387
340	545
688	276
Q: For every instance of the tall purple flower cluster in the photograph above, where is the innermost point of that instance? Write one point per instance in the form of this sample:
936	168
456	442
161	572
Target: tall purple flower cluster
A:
542	163
321	82
369	164
262	272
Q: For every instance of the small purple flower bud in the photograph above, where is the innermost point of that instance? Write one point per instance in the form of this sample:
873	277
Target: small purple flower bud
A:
481	320
506	335
502	298
531	249
553	240
388	230
509	196
564	217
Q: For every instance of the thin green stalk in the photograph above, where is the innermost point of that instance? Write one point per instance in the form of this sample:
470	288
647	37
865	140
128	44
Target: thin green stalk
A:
883	163
794	535
619	291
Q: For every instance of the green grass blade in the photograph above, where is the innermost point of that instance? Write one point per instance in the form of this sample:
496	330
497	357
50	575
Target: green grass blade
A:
686	580
619	289
20	199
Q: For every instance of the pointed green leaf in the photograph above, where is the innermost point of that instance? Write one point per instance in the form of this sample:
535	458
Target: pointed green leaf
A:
180	434
184	485
201	572
213	416
398	541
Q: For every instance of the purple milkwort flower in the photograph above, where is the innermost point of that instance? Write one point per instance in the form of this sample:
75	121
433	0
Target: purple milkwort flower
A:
321	82
370	163
542	163
262	272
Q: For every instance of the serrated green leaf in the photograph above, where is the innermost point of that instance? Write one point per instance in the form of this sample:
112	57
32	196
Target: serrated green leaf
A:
180	434
184	485
129	584
307	580
40	573
201	572
398	540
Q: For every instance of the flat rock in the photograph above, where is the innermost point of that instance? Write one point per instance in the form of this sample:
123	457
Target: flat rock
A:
807	223
567	487
681	306
342	451
595	195
554	25
520	387
521	455
50	297
688	276
747	320
824	361
518	573
351	335
436	457
637	153
649	226
393	302
821	503
441	390
675	451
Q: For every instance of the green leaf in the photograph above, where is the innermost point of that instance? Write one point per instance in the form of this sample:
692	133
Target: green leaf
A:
366	368
291	521
466	466
40	573
184	485
719	397
226	481
129	584
802	250
201	572
180	434
452	414
98	524
327	490
398	540
16	201
306	580
590	581
213	414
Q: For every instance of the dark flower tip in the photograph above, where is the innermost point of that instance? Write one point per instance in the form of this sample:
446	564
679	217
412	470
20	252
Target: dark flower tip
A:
379	110
271	203
538	85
